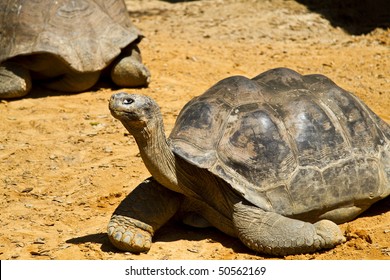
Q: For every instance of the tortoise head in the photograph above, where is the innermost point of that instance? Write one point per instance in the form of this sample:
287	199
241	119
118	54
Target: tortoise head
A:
133	110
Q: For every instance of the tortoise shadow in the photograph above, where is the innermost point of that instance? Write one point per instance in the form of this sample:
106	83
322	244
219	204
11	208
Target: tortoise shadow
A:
96	238
172	231
355	17
177	231
380	207
39	91
178	1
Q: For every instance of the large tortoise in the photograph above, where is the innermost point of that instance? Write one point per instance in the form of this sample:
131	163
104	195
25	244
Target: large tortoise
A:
67	44
277	161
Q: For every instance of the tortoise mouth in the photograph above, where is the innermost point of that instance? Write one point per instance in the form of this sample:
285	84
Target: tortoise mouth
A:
130	120
134	111
124	115
120	105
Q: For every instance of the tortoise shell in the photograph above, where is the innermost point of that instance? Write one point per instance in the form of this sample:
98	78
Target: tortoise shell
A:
86	34
286	142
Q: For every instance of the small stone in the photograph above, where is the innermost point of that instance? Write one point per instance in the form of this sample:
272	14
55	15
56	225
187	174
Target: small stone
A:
58	199
385	251
192	250
40	253
39	240
27	190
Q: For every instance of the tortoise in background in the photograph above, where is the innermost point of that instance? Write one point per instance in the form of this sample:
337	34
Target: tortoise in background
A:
66	45
277	161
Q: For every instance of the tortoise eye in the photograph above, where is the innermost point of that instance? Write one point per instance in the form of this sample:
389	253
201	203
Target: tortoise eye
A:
128	101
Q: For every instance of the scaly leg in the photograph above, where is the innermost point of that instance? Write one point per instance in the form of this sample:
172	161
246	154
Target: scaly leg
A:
128	70
15	80
274	234
73	81
148	207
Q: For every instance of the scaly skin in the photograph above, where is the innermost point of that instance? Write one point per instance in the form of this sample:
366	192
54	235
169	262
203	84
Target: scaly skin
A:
274	234
140	214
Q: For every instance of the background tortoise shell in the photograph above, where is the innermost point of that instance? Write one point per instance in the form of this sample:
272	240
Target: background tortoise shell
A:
100	29
288	143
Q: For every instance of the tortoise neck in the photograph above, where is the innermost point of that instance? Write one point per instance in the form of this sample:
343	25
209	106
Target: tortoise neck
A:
157	155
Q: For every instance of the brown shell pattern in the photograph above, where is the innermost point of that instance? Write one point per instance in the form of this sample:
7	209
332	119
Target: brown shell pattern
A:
86	34
287	142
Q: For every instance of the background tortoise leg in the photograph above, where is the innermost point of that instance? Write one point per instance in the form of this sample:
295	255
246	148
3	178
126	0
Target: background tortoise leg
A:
15	80
128	70
73	81
140	214
274	234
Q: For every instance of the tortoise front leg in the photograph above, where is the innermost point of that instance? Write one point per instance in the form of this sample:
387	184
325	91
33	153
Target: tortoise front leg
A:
140	214
15	80
274	234
128	69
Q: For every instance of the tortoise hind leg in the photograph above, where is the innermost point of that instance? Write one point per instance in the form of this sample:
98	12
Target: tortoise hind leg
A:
274	234
73	81
15	80
140	214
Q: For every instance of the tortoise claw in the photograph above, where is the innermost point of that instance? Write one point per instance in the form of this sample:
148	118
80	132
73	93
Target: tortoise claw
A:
128	234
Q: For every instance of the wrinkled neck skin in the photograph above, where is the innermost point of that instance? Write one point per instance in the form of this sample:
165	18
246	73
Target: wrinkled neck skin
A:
156	153
213	204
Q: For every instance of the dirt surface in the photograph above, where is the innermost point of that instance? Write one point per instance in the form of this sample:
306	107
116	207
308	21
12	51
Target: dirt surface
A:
65	163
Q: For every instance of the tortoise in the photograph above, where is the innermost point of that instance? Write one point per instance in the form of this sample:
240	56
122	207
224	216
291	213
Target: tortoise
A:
277	161
66	45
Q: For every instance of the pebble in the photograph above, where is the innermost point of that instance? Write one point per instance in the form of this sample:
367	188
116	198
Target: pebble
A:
193	250
27	190
40	253
39	240
58	199
53	157
385	251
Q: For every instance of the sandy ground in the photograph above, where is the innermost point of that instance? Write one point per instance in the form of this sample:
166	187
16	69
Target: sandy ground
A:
65	163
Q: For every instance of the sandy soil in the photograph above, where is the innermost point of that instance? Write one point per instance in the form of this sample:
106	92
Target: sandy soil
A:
65	163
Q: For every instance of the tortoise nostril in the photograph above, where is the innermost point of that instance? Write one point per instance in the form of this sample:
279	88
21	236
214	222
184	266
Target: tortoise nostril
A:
128	101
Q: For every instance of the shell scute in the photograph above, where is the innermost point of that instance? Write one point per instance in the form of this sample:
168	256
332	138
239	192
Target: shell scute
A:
253	145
